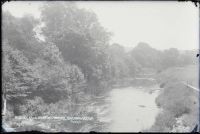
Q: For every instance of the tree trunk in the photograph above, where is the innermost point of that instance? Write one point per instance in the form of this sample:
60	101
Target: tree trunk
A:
4	104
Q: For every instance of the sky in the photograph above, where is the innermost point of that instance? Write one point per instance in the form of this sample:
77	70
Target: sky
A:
162	25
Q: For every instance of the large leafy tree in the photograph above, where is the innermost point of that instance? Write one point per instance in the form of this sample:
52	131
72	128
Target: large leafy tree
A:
17	45
119	67
146	55
79	36
18	75
20	34
33	68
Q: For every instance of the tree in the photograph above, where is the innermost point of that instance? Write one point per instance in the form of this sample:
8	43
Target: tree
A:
20	34
119	68
80	38
146	56
170	58
17	74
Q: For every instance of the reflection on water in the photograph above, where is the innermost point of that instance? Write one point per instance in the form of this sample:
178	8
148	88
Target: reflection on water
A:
132	110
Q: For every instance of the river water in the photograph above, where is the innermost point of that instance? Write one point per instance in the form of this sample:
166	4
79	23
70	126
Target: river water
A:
131	109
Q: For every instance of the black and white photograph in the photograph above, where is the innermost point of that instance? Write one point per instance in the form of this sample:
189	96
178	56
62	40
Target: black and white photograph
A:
100	66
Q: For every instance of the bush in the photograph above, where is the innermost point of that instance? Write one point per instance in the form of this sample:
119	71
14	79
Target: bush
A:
164	122
33	108
176	100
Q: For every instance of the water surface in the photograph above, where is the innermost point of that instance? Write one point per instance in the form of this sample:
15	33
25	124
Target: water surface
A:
132	109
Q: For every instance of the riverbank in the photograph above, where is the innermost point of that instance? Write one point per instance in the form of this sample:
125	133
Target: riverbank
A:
179	102
131	105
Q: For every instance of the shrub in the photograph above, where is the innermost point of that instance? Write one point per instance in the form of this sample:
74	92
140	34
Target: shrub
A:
33	107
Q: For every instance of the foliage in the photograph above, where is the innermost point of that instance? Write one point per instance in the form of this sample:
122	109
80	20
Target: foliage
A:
33	108
18	75
149	57
32	68
119	69
177	100
79	36
20	34
186	74
164	122
146	55
176	103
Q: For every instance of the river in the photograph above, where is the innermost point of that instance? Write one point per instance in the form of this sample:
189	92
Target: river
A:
131	109
127	109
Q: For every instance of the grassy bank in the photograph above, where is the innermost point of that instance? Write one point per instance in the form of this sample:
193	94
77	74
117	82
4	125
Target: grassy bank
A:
178	102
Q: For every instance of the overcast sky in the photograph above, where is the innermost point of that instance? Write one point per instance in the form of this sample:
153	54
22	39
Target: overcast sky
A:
161	24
